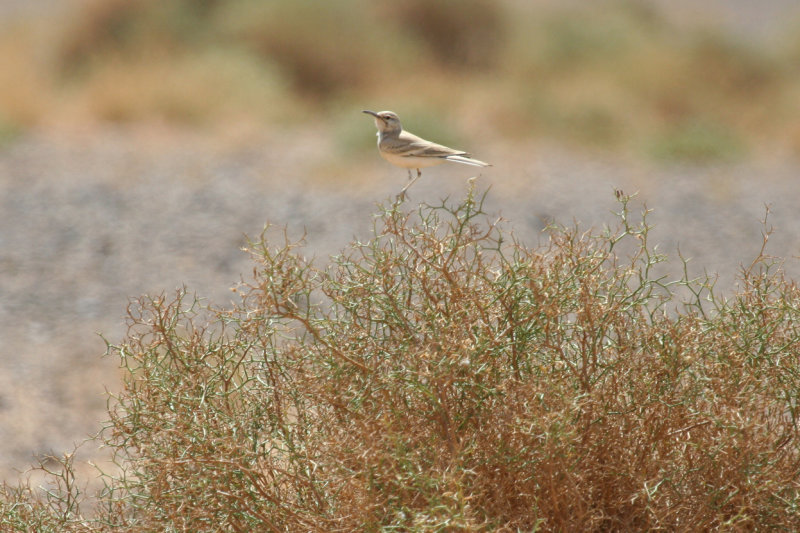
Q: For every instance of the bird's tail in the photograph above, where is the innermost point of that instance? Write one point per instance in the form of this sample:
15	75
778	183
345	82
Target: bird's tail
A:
467	161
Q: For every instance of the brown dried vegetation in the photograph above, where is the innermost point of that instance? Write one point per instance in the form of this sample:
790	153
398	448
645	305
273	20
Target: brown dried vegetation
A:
443	376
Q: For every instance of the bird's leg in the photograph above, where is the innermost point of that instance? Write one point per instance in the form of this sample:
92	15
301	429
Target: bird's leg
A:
402	194
412	180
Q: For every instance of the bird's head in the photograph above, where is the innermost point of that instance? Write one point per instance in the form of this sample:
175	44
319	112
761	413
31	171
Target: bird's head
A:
386	120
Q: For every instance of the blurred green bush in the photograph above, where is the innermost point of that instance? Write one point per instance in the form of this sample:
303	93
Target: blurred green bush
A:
611	74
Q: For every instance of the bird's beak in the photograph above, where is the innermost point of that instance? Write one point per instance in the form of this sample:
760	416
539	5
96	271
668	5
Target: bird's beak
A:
373	113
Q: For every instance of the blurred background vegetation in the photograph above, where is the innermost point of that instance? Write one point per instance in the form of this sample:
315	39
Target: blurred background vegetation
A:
611	75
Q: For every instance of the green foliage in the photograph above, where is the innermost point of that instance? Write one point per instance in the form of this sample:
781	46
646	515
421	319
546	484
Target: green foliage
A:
698	142
9	131
444	376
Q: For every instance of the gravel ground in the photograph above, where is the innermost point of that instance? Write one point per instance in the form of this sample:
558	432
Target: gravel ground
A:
89	220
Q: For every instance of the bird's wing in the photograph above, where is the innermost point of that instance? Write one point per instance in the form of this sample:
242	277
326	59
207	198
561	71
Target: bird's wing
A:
408	145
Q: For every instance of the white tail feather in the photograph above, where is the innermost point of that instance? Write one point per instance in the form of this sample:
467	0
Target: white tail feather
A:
467	161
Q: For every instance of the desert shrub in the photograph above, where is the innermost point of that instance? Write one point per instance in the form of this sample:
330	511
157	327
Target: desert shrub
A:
611	74
324	48
459	33
443	375
121	29
620	71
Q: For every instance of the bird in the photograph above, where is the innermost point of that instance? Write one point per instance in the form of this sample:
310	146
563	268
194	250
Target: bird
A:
406	150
